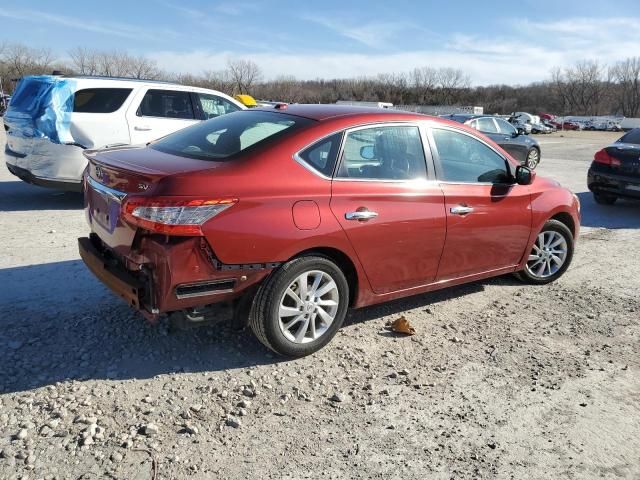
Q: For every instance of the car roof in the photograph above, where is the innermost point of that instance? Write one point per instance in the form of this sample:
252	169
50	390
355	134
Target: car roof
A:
97	81
84	81
468	116
124	79
325	112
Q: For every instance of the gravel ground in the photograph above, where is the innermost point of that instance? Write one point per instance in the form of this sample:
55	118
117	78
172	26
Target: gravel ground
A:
501	380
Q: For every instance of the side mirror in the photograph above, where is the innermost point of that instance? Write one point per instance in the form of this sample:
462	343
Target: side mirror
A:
524	175
368	152
515	133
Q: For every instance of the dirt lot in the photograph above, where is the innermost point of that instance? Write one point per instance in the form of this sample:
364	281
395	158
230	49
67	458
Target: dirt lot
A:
502	380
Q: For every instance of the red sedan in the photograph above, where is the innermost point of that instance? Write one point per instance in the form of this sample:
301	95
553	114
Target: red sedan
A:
286	217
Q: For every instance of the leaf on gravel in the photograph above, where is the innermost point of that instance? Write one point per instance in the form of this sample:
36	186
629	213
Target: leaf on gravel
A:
402	325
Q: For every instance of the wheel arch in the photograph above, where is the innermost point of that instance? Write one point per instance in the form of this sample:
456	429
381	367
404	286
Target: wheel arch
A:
343	261
566	219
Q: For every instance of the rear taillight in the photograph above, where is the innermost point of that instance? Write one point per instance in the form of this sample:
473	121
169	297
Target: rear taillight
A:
171	215
603	157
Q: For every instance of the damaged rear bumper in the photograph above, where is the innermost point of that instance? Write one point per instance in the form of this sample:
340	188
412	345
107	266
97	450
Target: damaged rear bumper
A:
121	282
170	277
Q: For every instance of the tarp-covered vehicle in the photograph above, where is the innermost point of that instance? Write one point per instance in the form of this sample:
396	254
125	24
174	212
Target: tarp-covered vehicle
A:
52	119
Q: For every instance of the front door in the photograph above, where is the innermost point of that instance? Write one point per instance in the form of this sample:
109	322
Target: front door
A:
391	212
488	216
156	113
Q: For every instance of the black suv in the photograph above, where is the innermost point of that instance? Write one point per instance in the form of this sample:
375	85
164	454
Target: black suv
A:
521	147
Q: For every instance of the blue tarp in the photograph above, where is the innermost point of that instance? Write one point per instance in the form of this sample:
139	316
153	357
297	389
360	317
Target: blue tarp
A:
41	106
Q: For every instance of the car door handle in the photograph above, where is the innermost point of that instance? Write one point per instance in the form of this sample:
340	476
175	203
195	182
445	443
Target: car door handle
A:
507	138
461	210
360	215
142	128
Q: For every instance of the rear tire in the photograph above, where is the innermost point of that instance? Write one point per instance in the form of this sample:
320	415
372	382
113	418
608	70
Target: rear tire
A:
604	199
550	256
533	158
300	307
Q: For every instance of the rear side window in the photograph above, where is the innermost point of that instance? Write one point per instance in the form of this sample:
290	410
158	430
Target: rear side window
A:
213	106
486	125
99	100
225	136
322	155
632	136
167	104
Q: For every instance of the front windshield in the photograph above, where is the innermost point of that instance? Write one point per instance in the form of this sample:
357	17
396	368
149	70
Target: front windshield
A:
223	137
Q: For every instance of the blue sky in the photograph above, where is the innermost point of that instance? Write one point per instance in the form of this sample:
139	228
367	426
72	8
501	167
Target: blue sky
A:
508	41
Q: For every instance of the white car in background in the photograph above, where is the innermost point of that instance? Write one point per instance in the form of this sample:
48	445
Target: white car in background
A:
52	119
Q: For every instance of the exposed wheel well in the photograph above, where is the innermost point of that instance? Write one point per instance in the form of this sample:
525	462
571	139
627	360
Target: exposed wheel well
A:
345	264
567	219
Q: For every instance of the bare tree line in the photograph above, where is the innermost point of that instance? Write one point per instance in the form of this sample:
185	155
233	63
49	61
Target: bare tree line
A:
584	88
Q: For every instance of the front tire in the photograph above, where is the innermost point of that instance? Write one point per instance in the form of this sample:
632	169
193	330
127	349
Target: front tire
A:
604	199
533	158
300	307
550	256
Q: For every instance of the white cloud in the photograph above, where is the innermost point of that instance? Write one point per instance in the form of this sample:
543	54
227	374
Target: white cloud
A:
106	28
341	65
373	34
522	52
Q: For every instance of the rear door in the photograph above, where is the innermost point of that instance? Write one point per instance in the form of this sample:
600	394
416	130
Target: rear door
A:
389	206
513	143
157	112
98	118
488	216
489	128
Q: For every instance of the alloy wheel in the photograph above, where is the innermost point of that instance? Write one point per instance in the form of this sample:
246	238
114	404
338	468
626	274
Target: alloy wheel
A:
533	157
548	254
308	306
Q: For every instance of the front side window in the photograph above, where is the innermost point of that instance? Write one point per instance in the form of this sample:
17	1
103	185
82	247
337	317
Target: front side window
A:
167	104
465	159
223	137
384	153
505	127
99	100
322	155
214	106
486	125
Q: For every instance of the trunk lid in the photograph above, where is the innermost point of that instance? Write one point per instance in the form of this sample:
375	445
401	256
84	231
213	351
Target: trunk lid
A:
629	156
115	173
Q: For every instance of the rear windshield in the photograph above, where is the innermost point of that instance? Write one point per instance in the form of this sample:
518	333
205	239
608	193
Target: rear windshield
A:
99	100
224	136
632	136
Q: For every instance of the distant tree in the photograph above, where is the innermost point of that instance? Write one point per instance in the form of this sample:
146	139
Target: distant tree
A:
244	74
19	60
84	61
582	87
142	67
627	76
452	84
425	81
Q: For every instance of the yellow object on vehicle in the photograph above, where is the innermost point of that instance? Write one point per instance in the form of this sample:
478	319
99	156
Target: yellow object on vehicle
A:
246	100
